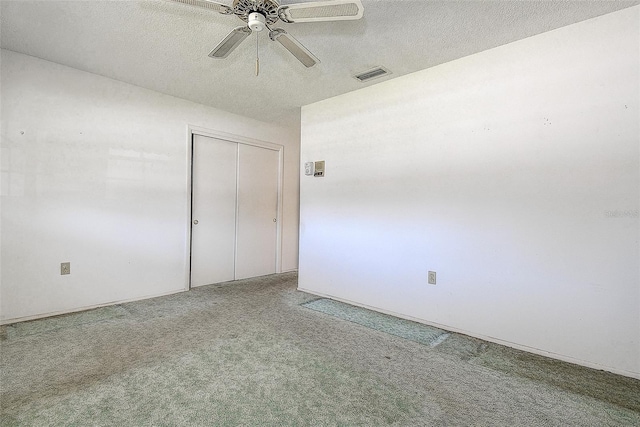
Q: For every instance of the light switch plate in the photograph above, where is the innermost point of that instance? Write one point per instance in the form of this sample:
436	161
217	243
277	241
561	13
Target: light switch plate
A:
308	168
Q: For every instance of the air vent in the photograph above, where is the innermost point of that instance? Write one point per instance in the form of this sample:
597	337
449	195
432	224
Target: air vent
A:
371	74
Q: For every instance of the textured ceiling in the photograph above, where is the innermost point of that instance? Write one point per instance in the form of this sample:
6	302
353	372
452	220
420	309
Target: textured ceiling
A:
163	46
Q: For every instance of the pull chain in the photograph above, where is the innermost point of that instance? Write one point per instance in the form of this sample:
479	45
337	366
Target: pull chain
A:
257	57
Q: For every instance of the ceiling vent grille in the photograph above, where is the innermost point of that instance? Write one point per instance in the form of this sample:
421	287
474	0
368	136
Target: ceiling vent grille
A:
371	74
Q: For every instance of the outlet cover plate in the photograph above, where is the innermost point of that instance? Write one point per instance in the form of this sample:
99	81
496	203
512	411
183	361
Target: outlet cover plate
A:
65	268
432	277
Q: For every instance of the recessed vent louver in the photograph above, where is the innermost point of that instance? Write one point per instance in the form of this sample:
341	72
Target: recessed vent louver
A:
371	74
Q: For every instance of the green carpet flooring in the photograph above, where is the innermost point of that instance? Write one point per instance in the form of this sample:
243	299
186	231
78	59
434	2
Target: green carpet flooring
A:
251	353
382	322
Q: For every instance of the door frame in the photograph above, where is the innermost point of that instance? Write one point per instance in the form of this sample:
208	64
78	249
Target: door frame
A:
239	139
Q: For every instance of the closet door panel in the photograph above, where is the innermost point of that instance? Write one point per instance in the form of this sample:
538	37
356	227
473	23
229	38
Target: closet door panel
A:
213	218
257	211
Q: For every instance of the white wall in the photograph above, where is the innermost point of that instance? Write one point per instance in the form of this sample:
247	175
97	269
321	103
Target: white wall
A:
94	172
513	173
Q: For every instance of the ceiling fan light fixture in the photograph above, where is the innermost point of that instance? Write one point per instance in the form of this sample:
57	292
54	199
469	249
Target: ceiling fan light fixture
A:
257	21
262	14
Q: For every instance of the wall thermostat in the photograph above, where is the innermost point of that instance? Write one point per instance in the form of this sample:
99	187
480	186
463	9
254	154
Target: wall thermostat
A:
318	169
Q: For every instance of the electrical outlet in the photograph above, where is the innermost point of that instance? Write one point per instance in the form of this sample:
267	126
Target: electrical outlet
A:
432	277
65	268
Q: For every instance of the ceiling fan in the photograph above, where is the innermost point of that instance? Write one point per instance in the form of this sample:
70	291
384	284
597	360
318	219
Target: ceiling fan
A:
263	14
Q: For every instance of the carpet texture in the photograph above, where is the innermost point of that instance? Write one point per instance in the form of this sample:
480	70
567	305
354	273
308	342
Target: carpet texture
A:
406	329
249	353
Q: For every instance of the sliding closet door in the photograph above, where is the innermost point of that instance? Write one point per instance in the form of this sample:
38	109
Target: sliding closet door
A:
257	211
234	232
213	228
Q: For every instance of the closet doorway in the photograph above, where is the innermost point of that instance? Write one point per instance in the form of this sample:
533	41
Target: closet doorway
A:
235	208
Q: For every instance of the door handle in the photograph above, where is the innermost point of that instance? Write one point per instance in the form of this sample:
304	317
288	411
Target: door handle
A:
275	220
195	221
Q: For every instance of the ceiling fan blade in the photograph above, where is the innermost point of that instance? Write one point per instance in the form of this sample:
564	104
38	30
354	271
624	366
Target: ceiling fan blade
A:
329	10
303	55
208	4
229	43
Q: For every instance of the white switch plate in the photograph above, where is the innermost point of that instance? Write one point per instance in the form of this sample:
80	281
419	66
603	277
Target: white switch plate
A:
308	168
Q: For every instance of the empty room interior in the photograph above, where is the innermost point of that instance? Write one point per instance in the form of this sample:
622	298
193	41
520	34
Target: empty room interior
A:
340	212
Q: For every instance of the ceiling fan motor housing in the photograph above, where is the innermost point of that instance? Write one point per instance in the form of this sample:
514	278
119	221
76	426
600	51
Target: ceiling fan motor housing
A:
257	21
247	9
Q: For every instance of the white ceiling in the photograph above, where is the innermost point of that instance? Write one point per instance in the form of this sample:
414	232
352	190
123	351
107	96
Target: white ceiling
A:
163	46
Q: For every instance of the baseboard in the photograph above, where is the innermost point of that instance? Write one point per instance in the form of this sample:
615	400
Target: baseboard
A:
528	349
91	307
84	308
